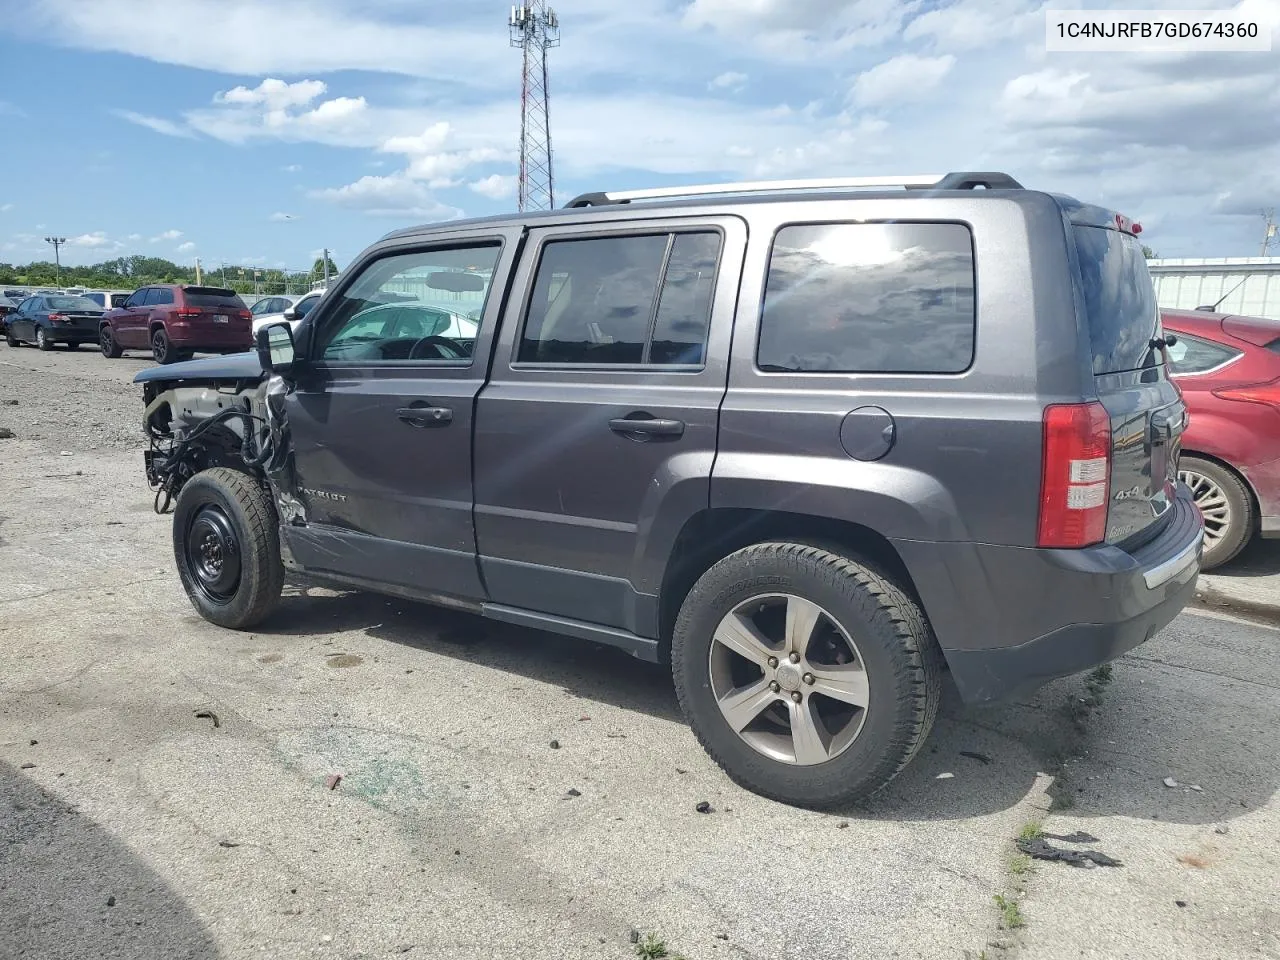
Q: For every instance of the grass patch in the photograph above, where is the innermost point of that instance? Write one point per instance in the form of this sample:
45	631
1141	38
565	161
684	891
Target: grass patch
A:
654	948
1010	913
1031	831
1021	865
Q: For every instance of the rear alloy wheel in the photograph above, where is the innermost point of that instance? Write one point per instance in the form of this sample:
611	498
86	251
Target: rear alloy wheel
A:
810	677
161	348
1226	505
107	344
10	339
227	548
42	340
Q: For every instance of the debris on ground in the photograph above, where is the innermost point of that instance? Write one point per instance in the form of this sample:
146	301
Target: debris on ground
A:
616	736
555	744
34	742
722	936
1197	788
1041	849
65	453
1220	831
974	755
681	772
583	717
111	901
945	776
1180	903
209	715
573	792
842	825
704	807
635	935
27	766
332	780
228	844
1078	837
6	433
1170	782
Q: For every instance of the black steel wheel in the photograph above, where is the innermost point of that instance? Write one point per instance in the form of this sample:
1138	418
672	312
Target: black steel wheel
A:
226	543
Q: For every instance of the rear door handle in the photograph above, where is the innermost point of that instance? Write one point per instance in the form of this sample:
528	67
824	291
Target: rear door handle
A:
647	428
426	416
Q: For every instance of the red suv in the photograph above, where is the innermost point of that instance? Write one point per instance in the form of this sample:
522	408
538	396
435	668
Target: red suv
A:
173	321
1228	369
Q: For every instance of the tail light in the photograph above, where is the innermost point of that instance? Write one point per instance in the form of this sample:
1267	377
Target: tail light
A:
1075	475
58	317
1268	393
245	315
188	314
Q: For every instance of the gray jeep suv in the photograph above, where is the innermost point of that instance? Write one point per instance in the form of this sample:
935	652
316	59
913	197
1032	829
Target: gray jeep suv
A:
811	443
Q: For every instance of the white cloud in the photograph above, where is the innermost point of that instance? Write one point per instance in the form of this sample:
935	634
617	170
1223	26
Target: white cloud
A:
96	239
287	111
275	94
279	217
6	208
134	236
158	124
496	186
799	29
167	235
729	80
292	168
903	78
974	24
394	195
186	247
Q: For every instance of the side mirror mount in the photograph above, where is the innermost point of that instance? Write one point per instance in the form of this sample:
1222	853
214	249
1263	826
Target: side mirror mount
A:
290	313
276	351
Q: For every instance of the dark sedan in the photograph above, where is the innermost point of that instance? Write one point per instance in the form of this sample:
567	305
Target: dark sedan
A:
53	319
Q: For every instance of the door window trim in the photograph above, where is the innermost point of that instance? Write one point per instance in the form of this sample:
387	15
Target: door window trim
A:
490	317
638	229
1173	369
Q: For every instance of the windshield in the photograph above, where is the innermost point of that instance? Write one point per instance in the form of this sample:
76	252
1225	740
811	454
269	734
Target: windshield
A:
1120	301
71	303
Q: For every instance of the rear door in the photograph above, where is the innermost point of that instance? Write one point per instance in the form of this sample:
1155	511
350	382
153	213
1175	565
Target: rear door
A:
22	323
1132	380
596	434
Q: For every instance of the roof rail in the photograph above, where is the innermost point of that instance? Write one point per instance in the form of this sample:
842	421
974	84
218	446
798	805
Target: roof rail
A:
950	181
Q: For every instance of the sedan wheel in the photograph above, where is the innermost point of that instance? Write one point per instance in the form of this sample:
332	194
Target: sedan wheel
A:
42	341
1226	505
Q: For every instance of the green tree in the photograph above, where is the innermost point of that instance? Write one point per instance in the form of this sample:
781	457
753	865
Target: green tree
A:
317	269
1149	253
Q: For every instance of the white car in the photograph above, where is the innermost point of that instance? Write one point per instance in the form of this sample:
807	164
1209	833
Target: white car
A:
301	306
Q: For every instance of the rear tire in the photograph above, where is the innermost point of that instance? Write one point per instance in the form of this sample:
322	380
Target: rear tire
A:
226	542
42	340
107	344
1226	505
10	339
162	348
868	640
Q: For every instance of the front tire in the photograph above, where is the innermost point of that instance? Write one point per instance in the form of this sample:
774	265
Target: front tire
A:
811	678
1226	505
108	345
42	340
226	543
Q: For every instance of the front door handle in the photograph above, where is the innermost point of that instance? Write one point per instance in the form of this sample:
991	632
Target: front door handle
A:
644	428
426	416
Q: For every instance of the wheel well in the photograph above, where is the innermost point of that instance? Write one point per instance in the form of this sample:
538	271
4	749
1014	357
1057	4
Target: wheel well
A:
713	534
156	325
1239	475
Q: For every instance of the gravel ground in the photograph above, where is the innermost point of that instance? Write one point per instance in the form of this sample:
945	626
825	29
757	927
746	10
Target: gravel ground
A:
131	827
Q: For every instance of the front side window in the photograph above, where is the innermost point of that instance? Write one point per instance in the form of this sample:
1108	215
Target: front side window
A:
622	300
304	305
1193	355
869	298
421	306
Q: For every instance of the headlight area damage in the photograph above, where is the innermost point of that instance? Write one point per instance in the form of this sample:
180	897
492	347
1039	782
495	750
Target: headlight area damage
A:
192	426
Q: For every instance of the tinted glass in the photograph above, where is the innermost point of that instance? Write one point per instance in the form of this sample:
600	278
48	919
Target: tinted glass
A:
119	299
592	300
869	298
684	307
304	305
1120	301
150	297
163	295
72	303
99	298
1193	355
400	307
212	297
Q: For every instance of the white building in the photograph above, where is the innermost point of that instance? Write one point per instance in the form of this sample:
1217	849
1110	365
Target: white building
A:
1249	286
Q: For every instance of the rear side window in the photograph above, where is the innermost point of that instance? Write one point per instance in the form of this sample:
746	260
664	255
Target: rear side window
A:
622	300
160	296
212	297
869	298
1193	355
1119	300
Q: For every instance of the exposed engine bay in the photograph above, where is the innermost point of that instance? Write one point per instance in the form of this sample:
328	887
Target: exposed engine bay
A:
192	426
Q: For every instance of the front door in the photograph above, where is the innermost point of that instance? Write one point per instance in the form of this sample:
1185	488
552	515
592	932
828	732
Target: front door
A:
381	417
596	434
131	323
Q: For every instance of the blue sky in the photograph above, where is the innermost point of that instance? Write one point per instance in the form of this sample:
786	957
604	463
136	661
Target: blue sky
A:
259	131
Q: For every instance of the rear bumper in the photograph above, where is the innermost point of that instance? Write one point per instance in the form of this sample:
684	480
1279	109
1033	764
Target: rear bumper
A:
210	336
1010	619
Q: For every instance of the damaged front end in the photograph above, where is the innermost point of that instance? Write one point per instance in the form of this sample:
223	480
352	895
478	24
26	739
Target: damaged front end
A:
195	425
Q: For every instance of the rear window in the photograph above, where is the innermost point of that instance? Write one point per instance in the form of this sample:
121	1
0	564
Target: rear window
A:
869	298
212	297
1119	300
71	303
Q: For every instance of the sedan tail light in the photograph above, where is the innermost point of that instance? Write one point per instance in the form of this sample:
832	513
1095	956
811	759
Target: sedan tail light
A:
58	317
1267	393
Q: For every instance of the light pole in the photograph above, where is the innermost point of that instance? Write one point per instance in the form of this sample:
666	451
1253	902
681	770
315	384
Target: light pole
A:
57	260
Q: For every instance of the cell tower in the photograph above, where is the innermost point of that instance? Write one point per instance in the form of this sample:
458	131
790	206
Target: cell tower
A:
535	29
